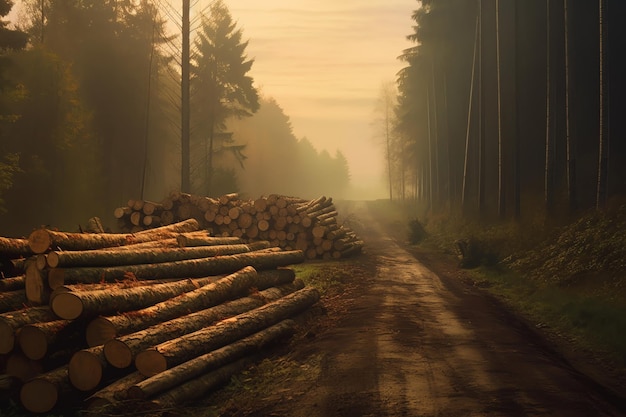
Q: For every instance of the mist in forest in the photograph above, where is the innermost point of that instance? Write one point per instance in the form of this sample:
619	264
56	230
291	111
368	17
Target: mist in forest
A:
502	108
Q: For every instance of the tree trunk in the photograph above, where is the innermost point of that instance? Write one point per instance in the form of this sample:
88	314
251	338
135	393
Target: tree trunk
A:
41	240
121	352
13	320
571	159
501	189
197	367
102	329
104	257
71	305
603	136
179	350
260	260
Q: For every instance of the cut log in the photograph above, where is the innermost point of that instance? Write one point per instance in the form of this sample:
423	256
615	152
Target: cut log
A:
13	283
188	240
12	300
37	339
208	362
112	397
86	367
23	368
122	351
260	260
13	320
121	212
14	247
41	394
71	305
204	384
42	240
35	284
102	329
104	257
173	352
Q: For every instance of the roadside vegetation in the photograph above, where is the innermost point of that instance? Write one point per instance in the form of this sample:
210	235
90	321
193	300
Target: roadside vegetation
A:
568	280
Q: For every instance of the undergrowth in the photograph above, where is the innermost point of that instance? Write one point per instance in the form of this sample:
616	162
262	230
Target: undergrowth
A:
569	278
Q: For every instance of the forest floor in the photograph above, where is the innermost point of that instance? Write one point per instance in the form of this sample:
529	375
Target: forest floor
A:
403	331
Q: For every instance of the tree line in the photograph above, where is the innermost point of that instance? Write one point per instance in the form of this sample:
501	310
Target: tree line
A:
511	108
90	113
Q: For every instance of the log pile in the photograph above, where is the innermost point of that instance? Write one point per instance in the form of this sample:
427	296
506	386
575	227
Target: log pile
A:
311	226
159	317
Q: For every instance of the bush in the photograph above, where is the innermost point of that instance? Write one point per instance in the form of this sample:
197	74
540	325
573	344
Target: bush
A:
417	233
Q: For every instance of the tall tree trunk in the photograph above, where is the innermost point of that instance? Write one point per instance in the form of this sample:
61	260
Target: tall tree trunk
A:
469	114
435	111
517	131
501	200
603	142
185	128
481	139
571	160
430	151
549	157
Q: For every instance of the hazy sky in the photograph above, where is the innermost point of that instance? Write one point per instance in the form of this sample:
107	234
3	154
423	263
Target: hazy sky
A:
324	62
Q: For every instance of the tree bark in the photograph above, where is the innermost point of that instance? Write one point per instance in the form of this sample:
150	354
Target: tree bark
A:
104	257
121	352
179	350
15	247
41	240
260	260
102	329
189	239
71	305
197	367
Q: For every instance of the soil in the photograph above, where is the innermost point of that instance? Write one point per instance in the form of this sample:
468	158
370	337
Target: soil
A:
410	336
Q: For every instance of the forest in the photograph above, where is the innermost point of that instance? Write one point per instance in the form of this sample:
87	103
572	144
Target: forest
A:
90	114
509	109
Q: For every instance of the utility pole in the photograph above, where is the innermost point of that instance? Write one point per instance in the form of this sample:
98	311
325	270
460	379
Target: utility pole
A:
185	162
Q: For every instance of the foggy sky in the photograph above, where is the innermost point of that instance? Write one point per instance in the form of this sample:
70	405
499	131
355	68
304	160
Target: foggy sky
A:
324	62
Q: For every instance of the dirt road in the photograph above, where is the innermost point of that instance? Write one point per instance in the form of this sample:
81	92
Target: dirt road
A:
413	343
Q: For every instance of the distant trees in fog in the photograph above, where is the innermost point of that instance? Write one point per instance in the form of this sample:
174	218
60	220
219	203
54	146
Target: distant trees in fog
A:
90	114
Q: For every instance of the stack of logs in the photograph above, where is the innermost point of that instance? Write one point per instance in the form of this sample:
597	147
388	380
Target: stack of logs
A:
311	226
155	318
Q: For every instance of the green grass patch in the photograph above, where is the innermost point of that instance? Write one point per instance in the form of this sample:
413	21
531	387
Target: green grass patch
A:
589	322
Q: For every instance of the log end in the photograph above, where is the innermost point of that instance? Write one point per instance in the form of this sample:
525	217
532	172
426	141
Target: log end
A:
150	362
39	395
85	370
99	331
39	241
33	342
118	354
67	305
